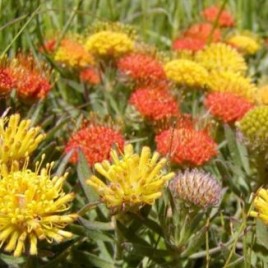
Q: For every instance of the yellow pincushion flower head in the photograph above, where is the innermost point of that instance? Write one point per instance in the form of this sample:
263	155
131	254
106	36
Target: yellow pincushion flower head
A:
227	81
254	127
18	139
72	53
221	57
186	72
246	43
261	96
31	209
133	180
260	203
110	40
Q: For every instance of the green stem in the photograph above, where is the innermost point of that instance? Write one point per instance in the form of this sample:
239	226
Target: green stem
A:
118	253
261	169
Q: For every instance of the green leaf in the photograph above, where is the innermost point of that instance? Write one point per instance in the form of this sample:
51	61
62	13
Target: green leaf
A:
10	260
84	173
262	233
96	225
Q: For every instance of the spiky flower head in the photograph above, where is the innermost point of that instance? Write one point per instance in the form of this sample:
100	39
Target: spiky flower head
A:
187	73
204	32
18	139
184	44
141	67
227	81
31	77
186	146
7	81
224	19
95	141
260	203
110	41
48	46
221	57
261	96
245	43
227	106
72	53
154	104
196	187
254	127
90	76
31	208
132	180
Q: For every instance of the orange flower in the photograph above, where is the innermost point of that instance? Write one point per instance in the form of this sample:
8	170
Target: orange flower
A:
6	81
227	106
202	31
188	44
95	141
49	46
154	104
225	19
90	76
141	67
186	146
31	77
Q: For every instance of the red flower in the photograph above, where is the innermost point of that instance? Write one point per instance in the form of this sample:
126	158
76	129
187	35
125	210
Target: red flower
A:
154	103
141	67
6	80
188	43
31	78
49	46
186	146
90	76
226	19
227	106
202	31
95	142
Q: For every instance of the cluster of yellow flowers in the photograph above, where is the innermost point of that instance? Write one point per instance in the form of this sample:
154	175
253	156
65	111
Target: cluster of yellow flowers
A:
31	201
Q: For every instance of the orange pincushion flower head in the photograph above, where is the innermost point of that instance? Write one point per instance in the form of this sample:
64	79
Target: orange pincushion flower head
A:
221	57
187	73
90	76
246	43
48	46
190	44
7	81
227	81
186	146
227	106
202	31
154	104
32	209
141	67
31	77
225	19
95	141
72	53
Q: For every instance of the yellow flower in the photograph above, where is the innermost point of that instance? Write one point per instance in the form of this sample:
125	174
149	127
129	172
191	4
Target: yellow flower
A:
227	81
186	72
109	43
262	95
260	205
17	138
133	180
31	206
245	43
221	57
73	54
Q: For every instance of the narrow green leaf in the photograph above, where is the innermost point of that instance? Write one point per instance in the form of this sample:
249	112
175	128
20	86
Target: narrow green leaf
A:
96	225
84	173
